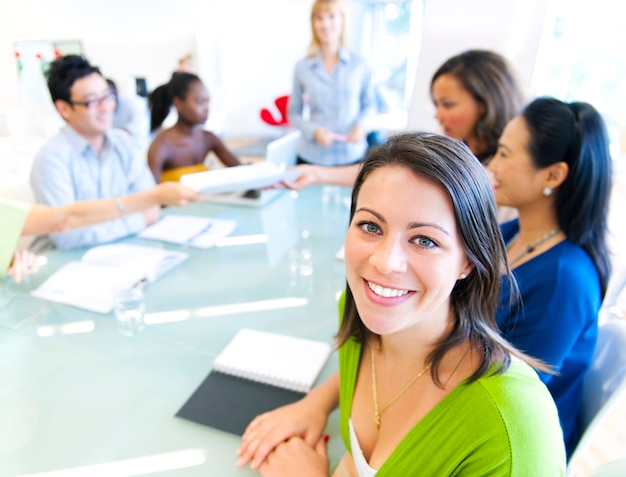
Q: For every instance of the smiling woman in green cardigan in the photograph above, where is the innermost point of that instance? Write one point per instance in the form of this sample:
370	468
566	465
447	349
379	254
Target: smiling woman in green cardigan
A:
426	385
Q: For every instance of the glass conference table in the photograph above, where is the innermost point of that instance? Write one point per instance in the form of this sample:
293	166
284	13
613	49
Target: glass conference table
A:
78	398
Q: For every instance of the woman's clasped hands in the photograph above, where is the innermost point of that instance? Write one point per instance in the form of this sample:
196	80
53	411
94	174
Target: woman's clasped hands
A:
287	441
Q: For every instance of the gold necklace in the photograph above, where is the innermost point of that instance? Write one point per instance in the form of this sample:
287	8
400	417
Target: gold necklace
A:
532	246
378	412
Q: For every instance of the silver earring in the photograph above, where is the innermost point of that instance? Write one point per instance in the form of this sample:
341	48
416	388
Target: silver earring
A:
547	191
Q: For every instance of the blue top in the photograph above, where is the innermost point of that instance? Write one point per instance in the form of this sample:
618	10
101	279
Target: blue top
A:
67	170
338	102
557	321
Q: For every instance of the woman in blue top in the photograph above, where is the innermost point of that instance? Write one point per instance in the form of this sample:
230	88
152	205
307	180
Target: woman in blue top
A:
553	165
337	85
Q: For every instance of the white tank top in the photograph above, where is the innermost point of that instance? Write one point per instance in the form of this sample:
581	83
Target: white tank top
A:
362	467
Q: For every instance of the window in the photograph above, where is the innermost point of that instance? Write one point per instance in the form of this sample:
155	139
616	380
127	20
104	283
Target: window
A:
387	33
581	58
32	59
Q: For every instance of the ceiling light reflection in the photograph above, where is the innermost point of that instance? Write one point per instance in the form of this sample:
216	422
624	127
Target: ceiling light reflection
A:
66	328
241	240
221	310
132	467
251	306
166	317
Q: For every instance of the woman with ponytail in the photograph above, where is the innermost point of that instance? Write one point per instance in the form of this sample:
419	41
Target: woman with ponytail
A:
553	165
184	147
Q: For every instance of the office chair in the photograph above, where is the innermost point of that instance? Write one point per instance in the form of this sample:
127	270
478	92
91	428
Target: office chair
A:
615	468
281	105
607	371
614	304
603	411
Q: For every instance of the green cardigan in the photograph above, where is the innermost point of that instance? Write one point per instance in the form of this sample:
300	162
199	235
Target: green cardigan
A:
503	425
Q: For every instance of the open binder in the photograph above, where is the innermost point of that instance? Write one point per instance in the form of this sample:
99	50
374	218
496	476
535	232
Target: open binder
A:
102	271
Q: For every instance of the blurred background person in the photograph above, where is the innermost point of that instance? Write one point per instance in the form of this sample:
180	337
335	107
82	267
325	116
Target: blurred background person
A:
131	115
89	158
184	147
553	165
334	86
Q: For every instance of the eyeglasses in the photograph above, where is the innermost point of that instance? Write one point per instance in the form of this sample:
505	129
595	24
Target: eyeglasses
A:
93	104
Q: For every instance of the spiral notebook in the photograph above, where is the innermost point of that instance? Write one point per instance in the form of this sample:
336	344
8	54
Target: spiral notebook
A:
256	372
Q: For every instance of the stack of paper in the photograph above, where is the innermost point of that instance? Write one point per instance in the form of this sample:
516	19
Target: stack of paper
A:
231	179
199	232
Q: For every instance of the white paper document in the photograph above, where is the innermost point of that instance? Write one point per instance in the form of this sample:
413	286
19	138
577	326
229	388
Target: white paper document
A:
280	155
102	271
199	232
238	178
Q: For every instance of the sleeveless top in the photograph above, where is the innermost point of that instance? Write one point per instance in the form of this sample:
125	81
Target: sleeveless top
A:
175	174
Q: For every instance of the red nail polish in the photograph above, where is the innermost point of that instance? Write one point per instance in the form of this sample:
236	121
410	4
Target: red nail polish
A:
326	437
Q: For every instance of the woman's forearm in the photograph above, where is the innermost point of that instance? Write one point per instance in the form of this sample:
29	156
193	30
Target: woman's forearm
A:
326	395
43	219
340	175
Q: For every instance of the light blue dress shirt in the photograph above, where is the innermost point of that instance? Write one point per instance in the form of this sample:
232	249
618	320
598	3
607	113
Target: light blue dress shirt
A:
337	101
67	170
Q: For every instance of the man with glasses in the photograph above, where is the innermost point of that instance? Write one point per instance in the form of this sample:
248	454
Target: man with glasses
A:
88	159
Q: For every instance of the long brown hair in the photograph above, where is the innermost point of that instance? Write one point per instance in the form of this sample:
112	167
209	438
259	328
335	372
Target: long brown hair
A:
491	81
450	164
576	134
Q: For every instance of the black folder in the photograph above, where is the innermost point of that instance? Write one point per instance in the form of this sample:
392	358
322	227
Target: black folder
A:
229	403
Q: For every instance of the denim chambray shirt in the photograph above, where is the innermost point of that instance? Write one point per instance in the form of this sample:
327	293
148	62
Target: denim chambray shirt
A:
338	102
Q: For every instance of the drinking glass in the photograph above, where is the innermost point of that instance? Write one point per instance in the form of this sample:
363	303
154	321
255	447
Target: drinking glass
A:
129	311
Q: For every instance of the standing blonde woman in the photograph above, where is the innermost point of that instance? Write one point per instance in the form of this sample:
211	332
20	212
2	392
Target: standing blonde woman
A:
337	86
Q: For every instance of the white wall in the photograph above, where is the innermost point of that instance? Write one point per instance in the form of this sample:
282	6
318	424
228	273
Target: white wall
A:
123	37
511	27
245	50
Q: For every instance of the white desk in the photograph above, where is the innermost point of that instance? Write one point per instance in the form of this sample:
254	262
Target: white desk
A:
78	396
